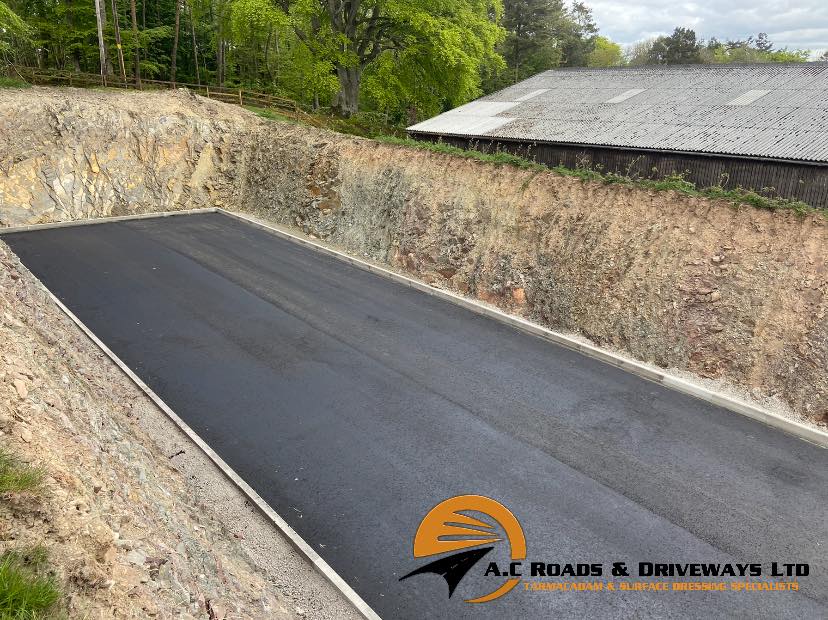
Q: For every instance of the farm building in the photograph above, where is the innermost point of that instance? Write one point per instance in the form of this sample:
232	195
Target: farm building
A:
762	127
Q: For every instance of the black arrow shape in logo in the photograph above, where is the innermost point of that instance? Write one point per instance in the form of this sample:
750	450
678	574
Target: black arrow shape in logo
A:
452	568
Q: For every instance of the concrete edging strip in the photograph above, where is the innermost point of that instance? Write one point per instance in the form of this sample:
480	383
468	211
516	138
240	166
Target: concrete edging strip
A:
301	546
803	431
102	220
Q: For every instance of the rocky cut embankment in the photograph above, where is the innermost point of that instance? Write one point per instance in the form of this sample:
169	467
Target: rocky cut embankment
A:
724	293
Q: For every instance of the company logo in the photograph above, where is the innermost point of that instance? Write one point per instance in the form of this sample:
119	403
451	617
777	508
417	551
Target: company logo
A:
447	528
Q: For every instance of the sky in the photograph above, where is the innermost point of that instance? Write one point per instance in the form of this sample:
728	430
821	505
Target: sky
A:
801	24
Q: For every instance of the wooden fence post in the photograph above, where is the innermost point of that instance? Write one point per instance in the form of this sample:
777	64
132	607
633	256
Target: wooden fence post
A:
241	102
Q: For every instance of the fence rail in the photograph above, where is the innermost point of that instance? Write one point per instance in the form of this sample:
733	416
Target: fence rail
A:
238	96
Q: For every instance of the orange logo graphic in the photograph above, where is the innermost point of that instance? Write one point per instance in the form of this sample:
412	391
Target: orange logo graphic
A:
446	528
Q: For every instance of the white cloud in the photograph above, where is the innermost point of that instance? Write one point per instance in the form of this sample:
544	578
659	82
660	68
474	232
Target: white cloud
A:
796	24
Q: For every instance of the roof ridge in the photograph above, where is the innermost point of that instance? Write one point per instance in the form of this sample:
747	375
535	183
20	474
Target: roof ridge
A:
729	65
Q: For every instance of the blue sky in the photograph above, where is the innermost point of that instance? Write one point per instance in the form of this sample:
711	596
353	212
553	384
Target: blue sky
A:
799	24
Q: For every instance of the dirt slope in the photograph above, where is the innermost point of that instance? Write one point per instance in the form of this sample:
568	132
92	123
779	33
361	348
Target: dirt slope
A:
737	295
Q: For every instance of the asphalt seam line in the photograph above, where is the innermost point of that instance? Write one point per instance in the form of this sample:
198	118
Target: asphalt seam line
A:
302	547
802	431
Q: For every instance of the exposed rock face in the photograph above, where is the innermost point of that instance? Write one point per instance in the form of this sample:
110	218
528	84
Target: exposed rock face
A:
74	154
689	283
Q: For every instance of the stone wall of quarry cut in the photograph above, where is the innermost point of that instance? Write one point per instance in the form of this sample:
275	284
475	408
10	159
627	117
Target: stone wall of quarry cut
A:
734	295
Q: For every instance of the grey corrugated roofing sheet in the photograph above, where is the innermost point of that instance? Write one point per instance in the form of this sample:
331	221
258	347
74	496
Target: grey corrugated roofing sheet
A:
696	108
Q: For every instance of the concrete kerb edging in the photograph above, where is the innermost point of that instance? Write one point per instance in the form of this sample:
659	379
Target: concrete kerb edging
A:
102	220
297	541
792	427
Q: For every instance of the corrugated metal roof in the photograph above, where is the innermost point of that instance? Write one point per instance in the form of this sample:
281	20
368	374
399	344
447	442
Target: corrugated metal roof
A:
770	110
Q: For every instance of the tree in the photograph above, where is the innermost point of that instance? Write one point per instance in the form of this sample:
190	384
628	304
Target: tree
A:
136	43
118	46
605	54
100	17
579	40
763	44
174	53
638	53
13	31
541	35
757	50
680	48
352	34
532	41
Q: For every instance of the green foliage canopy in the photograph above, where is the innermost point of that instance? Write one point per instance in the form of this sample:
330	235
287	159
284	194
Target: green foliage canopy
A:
394	60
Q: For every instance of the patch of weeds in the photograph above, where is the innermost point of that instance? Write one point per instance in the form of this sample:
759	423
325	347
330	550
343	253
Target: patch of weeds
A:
270	114
498	158
365	124
13	82
675	182
18	477
754	199
35	557
27	592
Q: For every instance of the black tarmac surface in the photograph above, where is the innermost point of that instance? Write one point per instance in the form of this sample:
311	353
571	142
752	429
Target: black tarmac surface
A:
353	405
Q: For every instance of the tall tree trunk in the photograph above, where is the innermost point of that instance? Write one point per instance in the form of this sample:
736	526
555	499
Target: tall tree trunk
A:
266	52
106	49
195	46
347	99
118	40
256	62
75	54
175	40
101	46
220	60
136	42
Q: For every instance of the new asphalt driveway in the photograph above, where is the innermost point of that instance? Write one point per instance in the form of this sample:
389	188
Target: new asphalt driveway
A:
353	404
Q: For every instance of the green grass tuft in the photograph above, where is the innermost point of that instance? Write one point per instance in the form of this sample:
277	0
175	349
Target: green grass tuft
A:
26	593
17	477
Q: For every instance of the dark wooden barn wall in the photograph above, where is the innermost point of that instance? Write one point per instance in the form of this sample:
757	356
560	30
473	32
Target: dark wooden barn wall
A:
805	182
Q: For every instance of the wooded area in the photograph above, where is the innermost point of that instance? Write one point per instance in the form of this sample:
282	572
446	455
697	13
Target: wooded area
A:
402	60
